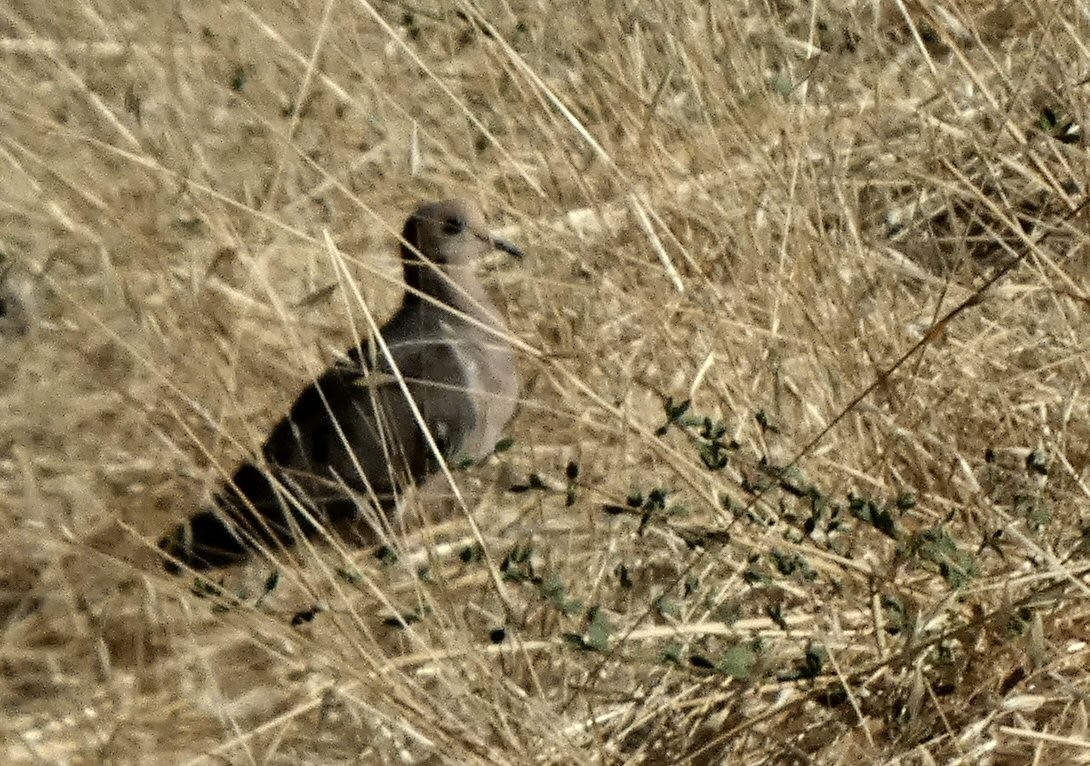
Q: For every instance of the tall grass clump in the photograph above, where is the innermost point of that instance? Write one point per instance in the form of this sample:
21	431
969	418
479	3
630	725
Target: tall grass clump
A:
801	470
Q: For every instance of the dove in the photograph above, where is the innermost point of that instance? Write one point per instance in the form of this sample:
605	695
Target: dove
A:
352	437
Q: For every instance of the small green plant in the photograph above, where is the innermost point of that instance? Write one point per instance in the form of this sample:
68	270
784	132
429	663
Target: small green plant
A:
553	590
939	548
653	508
517	566
871	513
707	433
595	637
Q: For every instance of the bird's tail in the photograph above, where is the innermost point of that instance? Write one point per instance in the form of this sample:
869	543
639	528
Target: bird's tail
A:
248	510
259	507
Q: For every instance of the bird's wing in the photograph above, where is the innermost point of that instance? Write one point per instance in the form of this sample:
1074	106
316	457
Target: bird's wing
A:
354	424
435	373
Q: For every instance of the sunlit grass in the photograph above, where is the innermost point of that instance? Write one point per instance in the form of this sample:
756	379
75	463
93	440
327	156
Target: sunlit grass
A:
801	468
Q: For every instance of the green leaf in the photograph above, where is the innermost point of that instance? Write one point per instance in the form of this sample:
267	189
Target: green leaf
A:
764	420
272	581
205	588
712	430
714	456
386	555
674	411
238	78
471	554
598	631
755	575
624	576
700	661
351	576
1037	463
815	656
737	662
938	547
881	519
574	640
270	585
553	590
671	653
666	607
402	621
1017	624
813	661
517	565
656	500
1036	511
794	483
792	564
571	607
304	616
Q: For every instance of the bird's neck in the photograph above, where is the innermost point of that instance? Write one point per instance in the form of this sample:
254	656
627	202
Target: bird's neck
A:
458	288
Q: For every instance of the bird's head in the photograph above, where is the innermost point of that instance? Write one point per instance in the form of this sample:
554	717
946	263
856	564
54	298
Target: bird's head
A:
449	235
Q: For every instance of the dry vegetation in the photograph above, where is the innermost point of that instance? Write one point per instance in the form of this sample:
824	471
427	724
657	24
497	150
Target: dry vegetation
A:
851	234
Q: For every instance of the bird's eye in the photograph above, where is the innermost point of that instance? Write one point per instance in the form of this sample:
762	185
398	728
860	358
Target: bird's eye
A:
454	225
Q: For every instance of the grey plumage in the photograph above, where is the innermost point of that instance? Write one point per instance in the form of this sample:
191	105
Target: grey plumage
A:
352	432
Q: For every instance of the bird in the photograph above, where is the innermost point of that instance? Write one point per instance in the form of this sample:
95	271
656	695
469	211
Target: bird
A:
352	433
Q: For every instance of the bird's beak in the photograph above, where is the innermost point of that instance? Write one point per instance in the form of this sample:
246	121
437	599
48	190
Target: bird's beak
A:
502	244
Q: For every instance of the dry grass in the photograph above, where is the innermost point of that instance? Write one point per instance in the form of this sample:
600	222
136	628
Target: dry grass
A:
760	207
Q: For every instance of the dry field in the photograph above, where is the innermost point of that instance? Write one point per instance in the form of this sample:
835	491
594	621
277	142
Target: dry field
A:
850	235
